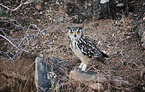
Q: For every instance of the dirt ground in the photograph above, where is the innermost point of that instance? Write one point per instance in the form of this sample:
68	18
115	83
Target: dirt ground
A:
39	29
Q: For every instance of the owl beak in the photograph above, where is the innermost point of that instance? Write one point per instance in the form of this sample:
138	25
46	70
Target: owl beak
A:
75	35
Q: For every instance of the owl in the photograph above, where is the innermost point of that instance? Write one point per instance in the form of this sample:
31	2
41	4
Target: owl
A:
82	47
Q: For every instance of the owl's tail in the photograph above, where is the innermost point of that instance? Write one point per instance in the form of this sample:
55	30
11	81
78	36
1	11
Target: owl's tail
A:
102	59
104	55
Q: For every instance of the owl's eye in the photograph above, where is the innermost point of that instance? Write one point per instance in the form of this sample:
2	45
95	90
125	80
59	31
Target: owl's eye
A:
71	32
78	32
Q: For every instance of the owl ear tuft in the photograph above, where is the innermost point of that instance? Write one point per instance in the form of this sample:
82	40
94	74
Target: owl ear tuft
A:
80	27
68	27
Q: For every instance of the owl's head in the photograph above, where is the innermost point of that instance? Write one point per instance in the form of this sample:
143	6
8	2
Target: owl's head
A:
75	33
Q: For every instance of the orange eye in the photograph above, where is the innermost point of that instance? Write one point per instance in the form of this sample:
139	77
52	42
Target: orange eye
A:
78	32
71	32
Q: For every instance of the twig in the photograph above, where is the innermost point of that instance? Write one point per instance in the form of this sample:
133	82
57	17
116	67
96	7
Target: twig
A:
14	75
9	41
16	7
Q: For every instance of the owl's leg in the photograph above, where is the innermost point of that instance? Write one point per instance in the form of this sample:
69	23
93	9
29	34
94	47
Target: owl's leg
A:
81	65
84	67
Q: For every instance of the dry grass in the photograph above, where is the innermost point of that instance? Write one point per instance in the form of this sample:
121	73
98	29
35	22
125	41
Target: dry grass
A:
43	32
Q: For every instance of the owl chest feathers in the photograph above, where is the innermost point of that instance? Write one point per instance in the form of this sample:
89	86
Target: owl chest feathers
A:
78	52
75	48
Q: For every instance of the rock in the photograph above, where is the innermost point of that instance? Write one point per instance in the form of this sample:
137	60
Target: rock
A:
48	74
81	76
100	9
86	9
41	80
97	86
94	79
104	1
72	9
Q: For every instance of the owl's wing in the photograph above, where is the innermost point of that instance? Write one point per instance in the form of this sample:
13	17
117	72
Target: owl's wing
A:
88	48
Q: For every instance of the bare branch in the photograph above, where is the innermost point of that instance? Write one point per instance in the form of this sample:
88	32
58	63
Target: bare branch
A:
16	7
9	41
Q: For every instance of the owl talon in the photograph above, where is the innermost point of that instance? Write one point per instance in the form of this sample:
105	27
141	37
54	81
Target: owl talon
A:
84	67
81	65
